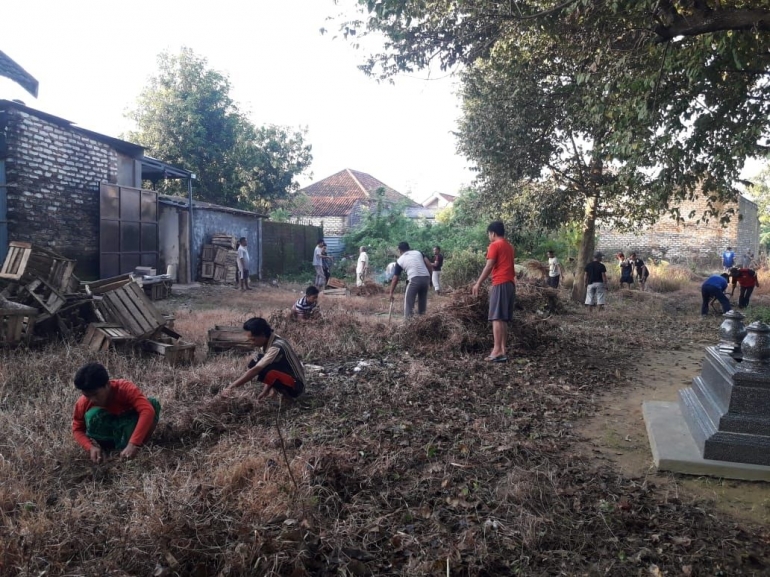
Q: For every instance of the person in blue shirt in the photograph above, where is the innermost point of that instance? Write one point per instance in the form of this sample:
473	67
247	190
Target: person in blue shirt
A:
728	259
714	288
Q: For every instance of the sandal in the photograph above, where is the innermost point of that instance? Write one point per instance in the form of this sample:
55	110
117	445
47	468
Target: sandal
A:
500	359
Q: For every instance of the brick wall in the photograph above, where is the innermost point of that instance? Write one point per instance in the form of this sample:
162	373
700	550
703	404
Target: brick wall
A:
689	241
53	187
332	225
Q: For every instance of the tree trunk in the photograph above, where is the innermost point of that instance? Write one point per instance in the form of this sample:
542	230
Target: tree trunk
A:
587	245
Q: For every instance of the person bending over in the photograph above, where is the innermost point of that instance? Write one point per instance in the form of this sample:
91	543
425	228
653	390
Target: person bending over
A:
305	307
111	414
275	363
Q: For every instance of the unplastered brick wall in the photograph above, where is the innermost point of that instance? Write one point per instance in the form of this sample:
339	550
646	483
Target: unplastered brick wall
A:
688	240
332	225
53	177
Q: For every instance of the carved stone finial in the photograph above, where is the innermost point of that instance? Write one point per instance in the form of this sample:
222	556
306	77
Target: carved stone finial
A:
731	332
756	346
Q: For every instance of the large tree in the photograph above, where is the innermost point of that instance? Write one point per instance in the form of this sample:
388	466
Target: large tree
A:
186	116
595	93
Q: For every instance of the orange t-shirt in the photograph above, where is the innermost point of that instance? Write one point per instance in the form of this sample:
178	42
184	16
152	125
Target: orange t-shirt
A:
124	396
502	252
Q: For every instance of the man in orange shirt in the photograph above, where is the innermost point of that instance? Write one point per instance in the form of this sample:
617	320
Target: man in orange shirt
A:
112	414
502	297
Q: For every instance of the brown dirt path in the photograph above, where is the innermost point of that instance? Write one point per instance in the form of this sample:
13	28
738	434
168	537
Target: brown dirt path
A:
617	434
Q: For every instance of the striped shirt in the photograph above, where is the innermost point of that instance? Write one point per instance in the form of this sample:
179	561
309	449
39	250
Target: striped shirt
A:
304	308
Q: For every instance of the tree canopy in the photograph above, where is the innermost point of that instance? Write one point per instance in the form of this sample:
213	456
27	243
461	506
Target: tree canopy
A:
186	116
595	99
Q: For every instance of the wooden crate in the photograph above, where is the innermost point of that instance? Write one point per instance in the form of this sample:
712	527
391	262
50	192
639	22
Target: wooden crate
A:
130	308
336	293
220	257
45	295
157	291
208	252
17	322
220	273
224	338
108	284
25	263
336	283
175	353
225	240
207	270
16	261
102	336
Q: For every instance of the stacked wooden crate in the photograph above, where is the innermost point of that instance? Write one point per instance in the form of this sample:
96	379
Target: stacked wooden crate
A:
39	279
219	261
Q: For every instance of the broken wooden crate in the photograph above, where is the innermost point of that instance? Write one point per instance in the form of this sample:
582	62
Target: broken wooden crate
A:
25	263
171	347
124	303
17	322
224	338
102	336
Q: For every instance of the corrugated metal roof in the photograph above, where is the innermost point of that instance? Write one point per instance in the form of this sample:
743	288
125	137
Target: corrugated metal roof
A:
181	202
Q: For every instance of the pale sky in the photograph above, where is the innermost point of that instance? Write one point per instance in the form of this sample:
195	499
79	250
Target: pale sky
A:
93	57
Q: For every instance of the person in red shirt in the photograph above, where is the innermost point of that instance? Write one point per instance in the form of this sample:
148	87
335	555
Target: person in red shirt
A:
747	279
502	296
112	414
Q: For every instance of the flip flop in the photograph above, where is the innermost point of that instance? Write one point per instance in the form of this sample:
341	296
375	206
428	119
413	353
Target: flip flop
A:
490	358
500	359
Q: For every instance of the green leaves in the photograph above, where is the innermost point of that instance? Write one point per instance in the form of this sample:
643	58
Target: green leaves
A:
187	117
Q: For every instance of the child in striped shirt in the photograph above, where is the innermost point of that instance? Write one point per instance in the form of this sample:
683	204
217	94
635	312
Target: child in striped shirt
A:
305	307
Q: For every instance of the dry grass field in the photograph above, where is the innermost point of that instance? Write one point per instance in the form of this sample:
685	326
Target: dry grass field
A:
408	454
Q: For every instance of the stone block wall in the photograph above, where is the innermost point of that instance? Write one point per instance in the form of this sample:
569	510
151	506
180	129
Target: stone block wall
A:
688	241
53	177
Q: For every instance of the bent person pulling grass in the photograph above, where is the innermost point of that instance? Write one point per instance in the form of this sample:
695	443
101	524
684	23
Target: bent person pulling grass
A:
112	414
276	365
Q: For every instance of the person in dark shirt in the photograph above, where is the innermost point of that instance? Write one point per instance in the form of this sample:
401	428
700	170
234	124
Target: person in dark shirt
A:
642	272
714	288
596	282
438	262
626	270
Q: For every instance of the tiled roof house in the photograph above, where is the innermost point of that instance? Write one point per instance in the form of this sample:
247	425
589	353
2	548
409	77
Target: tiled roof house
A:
337	202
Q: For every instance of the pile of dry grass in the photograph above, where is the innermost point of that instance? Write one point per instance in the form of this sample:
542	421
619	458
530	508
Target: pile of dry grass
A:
536	269
462	325
369	289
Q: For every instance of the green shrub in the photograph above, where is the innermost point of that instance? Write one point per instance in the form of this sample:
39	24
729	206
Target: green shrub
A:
757	313
463	268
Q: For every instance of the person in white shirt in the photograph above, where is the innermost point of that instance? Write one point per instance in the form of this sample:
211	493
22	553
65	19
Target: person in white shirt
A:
243	264
418	271
320	277
362	266
555	270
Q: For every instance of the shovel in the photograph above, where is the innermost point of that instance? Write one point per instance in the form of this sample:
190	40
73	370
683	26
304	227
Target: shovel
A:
390	312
